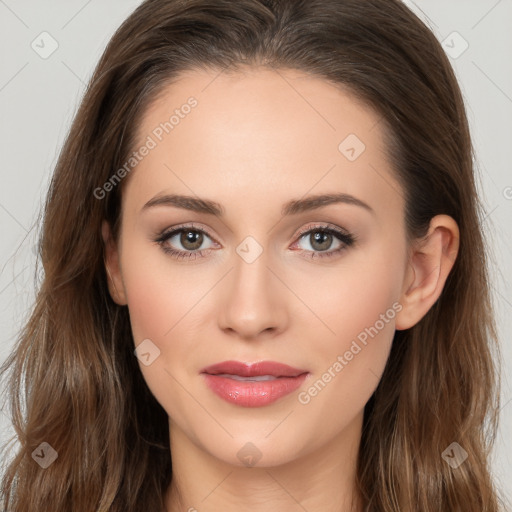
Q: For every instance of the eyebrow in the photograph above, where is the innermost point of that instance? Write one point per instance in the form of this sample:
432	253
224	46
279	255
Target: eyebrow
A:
292	207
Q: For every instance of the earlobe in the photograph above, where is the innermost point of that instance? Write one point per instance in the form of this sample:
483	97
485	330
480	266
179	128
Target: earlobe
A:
112	268
430	263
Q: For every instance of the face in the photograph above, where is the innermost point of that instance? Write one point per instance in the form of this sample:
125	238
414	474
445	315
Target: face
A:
272	275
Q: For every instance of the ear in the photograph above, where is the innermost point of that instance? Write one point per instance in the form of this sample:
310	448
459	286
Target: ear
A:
112	267
431	260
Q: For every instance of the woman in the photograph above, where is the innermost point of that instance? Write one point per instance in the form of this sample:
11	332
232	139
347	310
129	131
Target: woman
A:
265	283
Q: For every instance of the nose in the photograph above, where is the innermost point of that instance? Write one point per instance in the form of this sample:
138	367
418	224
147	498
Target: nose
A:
252	302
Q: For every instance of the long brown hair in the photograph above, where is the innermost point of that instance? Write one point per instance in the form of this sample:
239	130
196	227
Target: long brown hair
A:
75	382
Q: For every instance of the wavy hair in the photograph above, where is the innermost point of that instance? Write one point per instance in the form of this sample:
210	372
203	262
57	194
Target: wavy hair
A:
74	381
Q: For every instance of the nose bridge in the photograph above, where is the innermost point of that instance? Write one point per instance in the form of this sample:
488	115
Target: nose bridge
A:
251	303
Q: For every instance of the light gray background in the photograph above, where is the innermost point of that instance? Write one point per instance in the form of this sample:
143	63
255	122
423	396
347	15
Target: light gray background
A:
38	98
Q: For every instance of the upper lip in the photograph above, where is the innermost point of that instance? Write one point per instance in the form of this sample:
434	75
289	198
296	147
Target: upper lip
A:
253	369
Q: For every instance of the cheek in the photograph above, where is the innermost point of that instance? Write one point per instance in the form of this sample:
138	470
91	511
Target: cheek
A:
151	305
167	302
358	315
352	296
160	293
357	304
164	302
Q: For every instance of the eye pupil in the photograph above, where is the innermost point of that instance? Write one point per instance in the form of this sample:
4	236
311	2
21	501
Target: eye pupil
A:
194	238
324	239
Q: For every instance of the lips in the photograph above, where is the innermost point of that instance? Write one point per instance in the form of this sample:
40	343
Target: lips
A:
253	385
260	369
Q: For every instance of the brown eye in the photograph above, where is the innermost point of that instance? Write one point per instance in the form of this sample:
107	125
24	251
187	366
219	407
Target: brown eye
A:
320	240
185	242
191	240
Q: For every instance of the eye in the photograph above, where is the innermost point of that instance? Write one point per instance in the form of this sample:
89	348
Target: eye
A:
190	238
320	238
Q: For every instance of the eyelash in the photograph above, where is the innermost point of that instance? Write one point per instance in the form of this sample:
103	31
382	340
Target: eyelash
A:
346	238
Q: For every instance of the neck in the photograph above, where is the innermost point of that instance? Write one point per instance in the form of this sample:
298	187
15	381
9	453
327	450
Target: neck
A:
323	479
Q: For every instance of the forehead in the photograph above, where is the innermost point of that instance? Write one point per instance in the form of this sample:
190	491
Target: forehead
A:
263	133
276	98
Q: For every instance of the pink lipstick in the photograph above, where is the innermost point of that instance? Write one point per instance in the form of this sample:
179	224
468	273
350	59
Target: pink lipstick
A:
253	385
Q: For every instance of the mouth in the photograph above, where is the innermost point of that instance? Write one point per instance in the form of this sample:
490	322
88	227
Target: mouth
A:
270	369
253	385
256	378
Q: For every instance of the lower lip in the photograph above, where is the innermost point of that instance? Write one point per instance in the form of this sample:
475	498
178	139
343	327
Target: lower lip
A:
253	393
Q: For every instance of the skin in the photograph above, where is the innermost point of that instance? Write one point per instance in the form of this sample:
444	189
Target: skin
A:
257	139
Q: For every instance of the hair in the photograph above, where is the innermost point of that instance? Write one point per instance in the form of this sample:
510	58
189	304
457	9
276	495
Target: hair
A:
83	391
